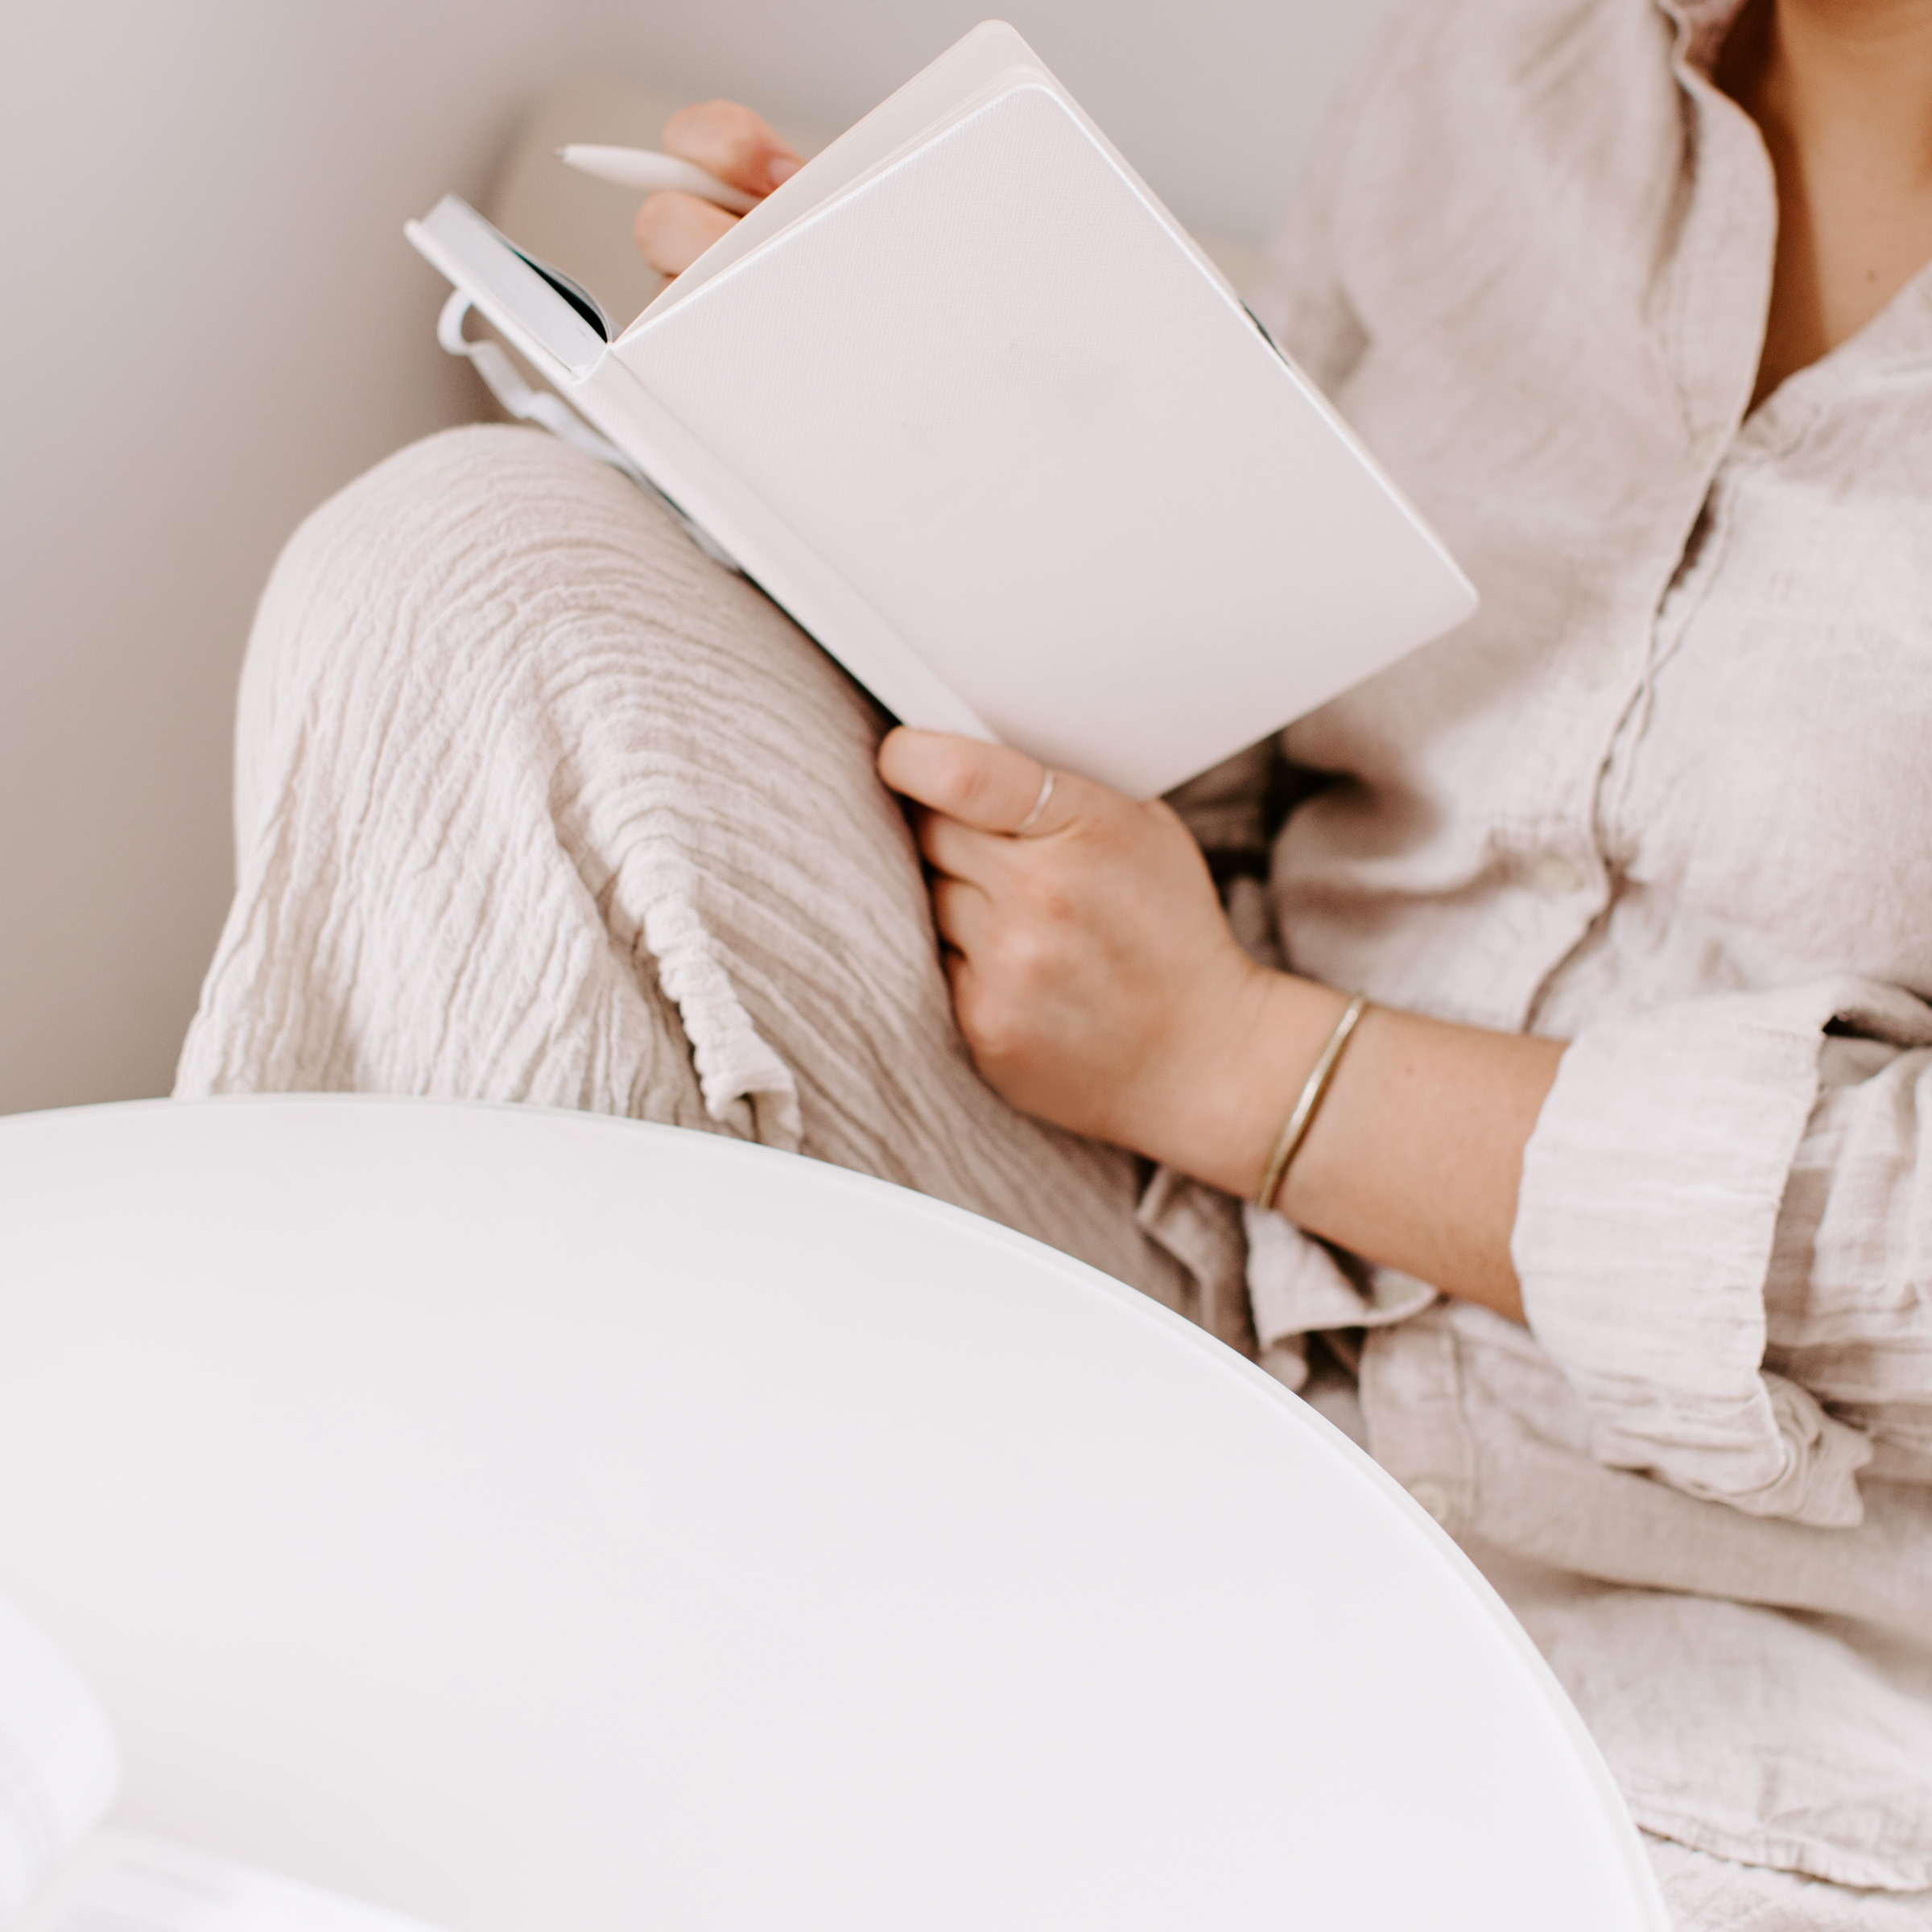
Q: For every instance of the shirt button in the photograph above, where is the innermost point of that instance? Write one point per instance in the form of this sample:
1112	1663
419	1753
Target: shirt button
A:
1432	1498
1554	875
1601	663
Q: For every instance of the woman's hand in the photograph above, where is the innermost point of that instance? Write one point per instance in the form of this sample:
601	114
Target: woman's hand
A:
1093	972
1099	987
673	229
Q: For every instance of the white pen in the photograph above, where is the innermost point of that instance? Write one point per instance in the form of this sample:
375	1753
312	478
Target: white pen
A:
640	168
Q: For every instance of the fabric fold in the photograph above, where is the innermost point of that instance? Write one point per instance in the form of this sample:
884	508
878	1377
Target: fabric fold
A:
1645	1230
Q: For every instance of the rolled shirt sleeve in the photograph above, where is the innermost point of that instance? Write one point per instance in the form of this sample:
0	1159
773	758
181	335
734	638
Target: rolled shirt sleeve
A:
1691	1162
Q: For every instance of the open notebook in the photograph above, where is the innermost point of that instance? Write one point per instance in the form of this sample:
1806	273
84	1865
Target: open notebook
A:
967	401
61	1872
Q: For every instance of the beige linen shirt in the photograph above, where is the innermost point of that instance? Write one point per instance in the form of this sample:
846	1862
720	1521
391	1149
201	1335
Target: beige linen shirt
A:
1667	796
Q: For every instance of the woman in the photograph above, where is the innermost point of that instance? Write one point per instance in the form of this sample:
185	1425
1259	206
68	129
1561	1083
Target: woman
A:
1616	1213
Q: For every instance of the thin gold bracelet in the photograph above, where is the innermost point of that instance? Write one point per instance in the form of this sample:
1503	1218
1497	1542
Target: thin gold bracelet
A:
1295	1130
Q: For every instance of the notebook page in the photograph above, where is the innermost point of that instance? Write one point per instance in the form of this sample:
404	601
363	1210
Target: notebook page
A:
123	1882
59	1766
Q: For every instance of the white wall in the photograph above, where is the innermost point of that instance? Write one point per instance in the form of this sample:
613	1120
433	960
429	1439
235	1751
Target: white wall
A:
1213	101
208	321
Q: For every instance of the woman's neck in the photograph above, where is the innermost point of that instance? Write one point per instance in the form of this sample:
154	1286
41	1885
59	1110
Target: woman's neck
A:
1841	91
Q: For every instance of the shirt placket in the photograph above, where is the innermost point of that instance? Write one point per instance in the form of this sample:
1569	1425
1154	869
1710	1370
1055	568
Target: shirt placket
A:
1712	302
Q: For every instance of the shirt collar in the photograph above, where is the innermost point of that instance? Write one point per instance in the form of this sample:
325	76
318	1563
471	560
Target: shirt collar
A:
1701	28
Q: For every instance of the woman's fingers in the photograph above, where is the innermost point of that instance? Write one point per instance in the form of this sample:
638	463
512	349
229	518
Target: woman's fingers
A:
735	144
673	230
990	788
959	910
1094	977
955	851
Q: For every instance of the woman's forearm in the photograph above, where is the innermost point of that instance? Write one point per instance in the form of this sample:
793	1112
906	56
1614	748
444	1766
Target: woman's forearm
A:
1414	1158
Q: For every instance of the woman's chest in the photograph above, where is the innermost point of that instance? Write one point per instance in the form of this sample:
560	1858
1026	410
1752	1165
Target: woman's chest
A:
1656	766
1772	775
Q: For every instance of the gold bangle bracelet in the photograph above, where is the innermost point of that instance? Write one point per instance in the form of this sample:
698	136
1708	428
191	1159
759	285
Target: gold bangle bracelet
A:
1295	1130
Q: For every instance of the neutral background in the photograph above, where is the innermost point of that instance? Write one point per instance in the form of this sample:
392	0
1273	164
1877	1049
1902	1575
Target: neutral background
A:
209	320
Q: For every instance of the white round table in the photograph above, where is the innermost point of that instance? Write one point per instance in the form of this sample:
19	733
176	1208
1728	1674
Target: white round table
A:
532	1520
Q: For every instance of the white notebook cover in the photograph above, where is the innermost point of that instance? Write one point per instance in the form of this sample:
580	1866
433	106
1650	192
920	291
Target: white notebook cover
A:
986	421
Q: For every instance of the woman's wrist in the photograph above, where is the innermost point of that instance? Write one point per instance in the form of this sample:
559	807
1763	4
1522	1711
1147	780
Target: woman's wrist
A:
1414	1158
1222	1115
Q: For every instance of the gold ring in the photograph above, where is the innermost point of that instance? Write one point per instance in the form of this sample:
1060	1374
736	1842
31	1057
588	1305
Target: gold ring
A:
1039	806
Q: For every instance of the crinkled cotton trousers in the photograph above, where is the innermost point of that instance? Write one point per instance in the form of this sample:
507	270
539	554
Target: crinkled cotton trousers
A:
534	803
